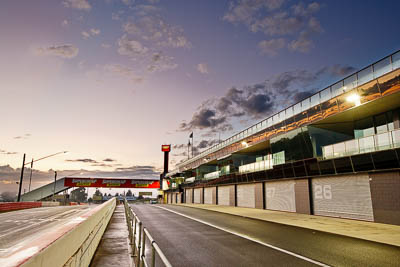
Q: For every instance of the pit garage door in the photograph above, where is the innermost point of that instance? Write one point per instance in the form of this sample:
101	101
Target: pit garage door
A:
188	195
224	195
179	198
208	195
280	195
343	196
173	198
197	195
169	196
246	196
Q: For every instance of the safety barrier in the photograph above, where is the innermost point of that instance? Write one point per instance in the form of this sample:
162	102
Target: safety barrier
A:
10	206
138	234
72	244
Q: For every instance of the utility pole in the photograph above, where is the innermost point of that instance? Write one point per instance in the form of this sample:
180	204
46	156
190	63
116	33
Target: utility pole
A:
30	177
21	179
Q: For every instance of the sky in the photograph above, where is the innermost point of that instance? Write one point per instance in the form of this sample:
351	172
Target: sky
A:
110	81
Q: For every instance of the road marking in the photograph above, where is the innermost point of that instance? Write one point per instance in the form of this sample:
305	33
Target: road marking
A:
247	237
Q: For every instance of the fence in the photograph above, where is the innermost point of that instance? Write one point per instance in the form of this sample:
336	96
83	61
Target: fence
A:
138	235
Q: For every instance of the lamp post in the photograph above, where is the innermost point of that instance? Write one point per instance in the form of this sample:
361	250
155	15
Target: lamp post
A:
23	167
55	180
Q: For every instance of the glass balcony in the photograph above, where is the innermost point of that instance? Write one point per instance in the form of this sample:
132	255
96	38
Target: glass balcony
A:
212	175
378	142
257	166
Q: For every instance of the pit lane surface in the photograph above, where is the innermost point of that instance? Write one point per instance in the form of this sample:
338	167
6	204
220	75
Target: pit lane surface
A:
194	237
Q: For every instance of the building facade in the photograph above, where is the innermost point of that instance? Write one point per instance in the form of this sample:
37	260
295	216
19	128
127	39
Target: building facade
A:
336	153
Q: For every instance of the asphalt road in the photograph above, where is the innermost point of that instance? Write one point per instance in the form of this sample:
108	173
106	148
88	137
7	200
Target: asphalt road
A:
17	227
238	241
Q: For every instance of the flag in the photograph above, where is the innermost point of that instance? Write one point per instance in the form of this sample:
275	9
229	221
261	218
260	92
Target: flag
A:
191	135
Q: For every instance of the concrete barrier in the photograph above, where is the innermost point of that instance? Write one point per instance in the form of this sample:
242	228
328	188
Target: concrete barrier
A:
50	203
73	244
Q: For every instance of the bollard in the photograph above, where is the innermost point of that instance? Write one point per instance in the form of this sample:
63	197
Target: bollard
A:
134	239
153	254
139	246
143	256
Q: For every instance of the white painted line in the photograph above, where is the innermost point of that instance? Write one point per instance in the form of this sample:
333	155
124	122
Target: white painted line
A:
248	238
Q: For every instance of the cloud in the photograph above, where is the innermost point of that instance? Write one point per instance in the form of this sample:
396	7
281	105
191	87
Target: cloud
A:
160	62
202	68
85	35
109	160
25	136
123	70
105	45
259	100
131	48
271	47
82	160
275	18
64	51
65	23
90	33
154	28
4	152
77	4
127	2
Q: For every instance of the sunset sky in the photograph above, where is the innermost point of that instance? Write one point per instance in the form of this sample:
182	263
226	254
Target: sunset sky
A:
111	80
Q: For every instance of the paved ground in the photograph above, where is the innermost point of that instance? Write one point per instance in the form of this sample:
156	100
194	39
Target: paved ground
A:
18	227
187	242
113	249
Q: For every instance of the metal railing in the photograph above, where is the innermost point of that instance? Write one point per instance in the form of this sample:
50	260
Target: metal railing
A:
138	235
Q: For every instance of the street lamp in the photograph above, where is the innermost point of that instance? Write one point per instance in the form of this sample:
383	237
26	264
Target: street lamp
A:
23	167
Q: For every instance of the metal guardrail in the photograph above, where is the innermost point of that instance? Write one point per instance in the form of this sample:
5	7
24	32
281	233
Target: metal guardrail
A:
138	235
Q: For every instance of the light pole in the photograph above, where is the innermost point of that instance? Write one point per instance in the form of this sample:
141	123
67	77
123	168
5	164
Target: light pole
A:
23	167
55	180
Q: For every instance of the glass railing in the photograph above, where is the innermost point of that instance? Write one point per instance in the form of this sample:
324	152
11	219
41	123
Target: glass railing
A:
382	141
363	76
257	166
190	179
212	175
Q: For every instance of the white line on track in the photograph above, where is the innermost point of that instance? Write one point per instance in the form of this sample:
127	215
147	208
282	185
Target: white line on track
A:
248	238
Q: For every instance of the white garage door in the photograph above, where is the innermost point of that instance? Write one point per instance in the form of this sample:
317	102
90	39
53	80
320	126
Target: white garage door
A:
343	196
223	195
174	198
246	196
280	195
169	196
197	195
188	196
208	193
179	198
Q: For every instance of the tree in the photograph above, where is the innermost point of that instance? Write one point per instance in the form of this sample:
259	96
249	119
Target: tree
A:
116	194
8	196
79	194
129	193
98	193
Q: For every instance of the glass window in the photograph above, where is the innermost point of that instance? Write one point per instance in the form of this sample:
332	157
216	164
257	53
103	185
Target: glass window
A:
382	67
325	95
337	89
396	60
350	82
305	104
297	108
289	112
315	100
365	75
282	116
327	151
